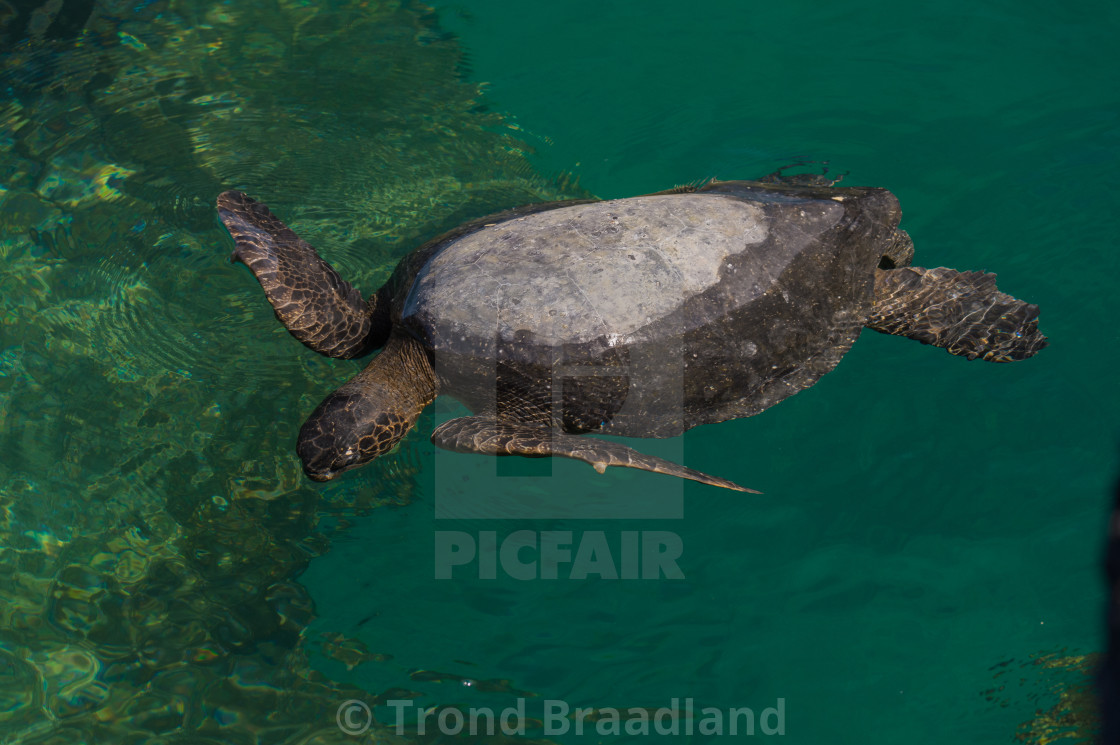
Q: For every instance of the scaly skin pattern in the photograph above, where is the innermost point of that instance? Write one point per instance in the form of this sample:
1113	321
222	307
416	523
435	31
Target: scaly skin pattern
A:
961	312
316	305
488	436
368	416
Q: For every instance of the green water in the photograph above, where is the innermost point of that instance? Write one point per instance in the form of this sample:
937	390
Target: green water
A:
922	566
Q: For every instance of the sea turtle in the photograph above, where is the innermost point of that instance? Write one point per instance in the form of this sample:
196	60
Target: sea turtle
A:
640	317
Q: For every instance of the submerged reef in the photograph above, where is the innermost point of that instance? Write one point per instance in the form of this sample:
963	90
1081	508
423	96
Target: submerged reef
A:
152	519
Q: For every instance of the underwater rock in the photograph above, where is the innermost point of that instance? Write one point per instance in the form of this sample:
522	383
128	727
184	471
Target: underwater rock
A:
151	552
77	179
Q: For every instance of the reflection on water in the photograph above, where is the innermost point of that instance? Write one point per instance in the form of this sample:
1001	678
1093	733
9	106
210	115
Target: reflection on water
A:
152	518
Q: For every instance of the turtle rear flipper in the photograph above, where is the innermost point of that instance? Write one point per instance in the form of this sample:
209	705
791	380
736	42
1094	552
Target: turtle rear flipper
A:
316	305
485	435
962	312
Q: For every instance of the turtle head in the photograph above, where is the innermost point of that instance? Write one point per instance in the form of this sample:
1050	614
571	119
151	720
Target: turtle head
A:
368	416
348	429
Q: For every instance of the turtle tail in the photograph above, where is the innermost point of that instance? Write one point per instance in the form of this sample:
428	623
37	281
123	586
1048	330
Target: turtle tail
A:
961	312
314	303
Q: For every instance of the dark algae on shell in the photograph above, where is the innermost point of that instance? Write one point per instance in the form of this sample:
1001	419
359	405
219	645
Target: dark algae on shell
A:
640	317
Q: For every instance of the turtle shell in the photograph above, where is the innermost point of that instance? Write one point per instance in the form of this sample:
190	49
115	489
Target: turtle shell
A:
650	315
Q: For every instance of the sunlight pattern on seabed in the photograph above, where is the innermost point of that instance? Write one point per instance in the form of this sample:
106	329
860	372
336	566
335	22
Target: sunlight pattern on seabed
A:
152	519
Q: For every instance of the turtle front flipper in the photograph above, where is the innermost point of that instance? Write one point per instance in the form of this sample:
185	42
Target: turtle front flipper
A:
316	305
962	312
487	436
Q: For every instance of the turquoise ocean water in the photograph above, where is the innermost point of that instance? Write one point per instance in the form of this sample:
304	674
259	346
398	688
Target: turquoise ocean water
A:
922	566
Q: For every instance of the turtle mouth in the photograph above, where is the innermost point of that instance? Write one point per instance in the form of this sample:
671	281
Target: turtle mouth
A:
320	472
320	476
320	464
